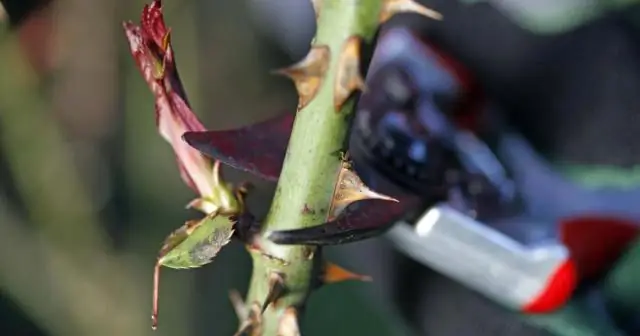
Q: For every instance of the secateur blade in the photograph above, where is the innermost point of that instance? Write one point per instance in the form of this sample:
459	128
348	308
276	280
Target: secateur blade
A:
368	219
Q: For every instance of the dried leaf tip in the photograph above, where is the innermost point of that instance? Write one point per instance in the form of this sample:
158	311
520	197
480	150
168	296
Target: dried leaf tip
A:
392	7
349	189
308	74
348	77
333	273
288	324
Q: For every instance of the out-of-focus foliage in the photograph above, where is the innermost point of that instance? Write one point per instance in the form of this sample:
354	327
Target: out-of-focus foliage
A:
553	17
89	188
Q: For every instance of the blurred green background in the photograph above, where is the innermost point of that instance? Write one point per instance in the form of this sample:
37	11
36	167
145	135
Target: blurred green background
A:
89	189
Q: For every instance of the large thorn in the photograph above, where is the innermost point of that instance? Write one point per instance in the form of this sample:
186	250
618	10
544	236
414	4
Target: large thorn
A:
258	149
350	189
348	77
368	220
392	7
309	73
288	324
276	289
333	273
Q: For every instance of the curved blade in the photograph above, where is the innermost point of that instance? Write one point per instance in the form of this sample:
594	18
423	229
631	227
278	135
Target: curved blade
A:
370	219
258	149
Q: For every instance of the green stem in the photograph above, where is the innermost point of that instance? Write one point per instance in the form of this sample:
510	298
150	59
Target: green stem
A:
304	192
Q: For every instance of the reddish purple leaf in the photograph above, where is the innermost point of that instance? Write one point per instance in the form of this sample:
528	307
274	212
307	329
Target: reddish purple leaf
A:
370	219
258	149
151	48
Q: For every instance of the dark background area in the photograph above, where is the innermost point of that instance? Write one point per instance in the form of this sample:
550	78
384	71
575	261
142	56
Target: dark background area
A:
90	189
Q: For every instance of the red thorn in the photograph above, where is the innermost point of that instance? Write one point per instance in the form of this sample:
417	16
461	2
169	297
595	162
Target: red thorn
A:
334	273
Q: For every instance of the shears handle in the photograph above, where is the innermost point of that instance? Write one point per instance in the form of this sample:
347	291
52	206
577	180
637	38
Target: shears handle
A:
528	279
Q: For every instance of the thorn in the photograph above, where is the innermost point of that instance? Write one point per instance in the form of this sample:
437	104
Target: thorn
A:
216	172
198	204
316	7
276	289
241	192
203	205
368	220
348	77
238	304
308	73
166	42
266	140
349	189
288	325
333	273
155	295
244	188
392	7
253	322
244	327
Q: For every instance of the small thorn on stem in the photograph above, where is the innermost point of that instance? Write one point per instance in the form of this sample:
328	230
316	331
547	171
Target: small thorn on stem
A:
288	325
392	7
276	289
348	77
350	189
333	273
308	74
253	322
245	188
216	172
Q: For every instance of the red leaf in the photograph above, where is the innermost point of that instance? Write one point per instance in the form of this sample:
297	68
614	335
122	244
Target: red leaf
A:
152	22
258	149
151	49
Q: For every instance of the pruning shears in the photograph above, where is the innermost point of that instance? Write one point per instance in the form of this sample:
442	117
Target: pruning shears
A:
457	203
531	279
